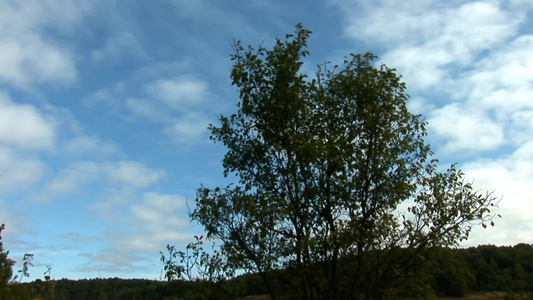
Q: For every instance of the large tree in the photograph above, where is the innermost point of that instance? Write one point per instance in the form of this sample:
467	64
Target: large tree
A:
338	195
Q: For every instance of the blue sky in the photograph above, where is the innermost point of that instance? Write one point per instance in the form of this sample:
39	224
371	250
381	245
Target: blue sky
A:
104	107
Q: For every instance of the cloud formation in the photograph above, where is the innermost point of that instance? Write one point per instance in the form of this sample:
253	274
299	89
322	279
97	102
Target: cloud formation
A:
179	104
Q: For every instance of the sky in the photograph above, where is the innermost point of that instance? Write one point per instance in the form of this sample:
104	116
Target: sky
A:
104	107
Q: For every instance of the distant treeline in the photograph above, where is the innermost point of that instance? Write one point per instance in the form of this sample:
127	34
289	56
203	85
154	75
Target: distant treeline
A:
484	268
456	272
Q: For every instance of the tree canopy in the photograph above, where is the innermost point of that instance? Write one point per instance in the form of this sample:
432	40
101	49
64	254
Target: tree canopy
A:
339	196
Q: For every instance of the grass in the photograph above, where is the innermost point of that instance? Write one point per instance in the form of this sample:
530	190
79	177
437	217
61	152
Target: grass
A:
480	296
492	296
473	296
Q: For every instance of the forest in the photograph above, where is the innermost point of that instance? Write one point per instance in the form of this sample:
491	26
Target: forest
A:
457	272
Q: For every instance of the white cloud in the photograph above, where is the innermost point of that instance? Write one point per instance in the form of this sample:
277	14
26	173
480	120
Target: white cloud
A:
465	129
28	56
178	93
133	174
24	127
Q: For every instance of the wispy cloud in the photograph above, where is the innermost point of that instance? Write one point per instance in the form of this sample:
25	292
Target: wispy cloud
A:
154	221
179	103
160	220
90	146
34	61
19	171
132	174
179	93
78	238
111	263
127	175
73	178
123	45
189	128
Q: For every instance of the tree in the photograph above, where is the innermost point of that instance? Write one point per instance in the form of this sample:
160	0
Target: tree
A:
338	195
26	264
6	267
452	277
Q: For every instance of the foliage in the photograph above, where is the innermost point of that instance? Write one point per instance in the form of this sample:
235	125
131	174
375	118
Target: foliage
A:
334	179
207	269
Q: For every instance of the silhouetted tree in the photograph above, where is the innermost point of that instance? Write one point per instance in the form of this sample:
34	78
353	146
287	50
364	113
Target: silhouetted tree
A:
334	178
